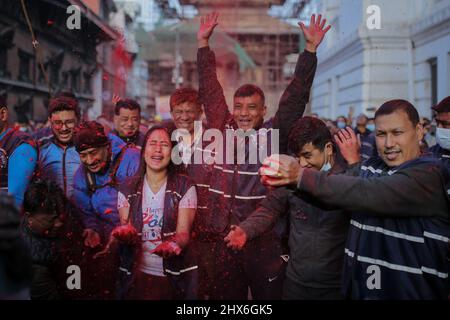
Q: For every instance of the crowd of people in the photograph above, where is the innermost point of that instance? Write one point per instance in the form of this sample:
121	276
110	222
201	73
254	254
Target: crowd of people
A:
339	210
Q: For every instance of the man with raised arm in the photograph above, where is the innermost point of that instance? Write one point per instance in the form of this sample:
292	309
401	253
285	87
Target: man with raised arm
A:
235	189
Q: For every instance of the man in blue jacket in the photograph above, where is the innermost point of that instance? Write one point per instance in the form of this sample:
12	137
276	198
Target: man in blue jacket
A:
18	156
106	162
58	158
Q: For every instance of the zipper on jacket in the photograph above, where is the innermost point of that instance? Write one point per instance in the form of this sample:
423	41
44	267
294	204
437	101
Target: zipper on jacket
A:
64	171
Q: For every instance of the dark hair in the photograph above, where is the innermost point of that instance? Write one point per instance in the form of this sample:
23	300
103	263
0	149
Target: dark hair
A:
63	103
89	134
183	95
43	196
142	165
443	106
247	90
306	130
392	106
129	104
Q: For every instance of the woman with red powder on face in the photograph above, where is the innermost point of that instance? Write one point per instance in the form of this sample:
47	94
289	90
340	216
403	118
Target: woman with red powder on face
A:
156	207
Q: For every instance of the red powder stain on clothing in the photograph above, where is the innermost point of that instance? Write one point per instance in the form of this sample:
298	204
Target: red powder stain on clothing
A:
108	211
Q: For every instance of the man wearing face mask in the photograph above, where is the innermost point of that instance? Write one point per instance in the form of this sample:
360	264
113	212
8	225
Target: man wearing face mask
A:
442	148
317	234
366	136
341	122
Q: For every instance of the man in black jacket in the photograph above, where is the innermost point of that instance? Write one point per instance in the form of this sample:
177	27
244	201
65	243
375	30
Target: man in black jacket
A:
317	234
235	189
397	247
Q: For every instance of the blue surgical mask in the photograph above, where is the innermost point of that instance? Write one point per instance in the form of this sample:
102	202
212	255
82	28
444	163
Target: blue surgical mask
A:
443	138
341	125
326	166
371	127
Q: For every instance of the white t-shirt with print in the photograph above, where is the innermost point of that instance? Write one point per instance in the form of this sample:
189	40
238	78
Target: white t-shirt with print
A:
153	213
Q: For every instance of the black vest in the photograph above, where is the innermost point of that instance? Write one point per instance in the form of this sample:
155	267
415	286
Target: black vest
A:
182	270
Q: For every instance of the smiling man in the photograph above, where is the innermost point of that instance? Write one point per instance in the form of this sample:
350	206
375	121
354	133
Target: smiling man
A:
127	119
235	190
58	159
397	246
106	162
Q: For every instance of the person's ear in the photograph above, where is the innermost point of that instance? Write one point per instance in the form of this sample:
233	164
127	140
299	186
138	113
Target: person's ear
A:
329	149
4	114
420	131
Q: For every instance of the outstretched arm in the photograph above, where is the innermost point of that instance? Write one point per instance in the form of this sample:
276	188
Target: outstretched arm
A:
410	192
294	99
210	91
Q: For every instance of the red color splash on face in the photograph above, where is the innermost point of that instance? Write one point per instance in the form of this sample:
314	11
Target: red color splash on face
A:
108	211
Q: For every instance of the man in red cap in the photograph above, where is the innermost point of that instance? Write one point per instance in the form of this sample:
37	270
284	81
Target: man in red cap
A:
105	162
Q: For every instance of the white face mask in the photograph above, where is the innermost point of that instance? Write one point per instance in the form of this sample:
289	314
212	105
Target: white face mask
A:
327	165
443	138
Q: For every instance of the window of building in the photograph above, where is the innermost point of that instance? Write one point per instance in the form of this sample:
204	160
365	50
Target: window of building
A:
434	75
75	80
25	60
87	82
3	62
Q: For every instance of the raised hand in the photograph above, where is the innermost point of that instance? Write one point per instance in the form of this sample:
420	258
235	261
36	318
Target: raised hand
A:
315	32
115	98
207	25
349	145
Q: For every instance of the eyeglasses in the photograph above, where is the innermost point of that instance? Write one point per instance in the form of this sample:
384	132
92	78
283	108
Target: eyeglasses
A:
68	123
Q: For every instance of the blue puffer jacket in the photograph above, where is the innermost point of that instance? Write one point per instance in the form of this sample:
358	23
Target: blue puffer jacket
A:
98	209
58	164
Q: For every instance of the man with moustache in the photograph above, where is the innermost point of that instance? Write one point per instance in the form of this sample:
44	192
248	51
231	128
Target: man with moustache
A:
106	162
397	247
127	119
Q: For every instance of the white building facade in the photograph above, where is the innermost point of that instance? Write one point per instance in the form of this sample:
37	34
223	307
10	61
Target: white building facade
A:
362	66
